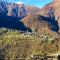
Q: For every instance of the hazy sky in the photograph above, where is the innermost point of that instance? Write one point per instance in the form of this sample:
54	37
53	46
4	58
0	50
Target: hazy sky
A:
38	3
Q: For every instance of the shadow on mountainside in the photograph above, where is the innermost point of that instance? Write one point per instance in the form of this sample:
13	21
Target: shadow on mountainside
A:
15	23
12	23
51	22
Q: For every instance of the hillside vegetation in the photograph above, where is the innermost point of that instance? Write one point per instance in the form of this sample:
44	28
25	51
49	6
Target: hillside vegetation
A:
26	31
16	45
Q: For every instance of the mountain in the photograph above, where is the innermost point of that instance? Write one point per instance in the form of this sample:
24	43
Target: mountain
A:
16	10
12	9
32	10
46	9
45	14
41	24
57	11
29	33
31	17
55	8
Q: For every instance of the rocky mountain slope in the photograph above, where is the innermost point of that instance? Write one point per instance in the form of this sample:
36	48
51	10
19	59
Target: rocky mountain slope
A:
57	11
41	24
53	8
16	10
31	17
46	9
43	38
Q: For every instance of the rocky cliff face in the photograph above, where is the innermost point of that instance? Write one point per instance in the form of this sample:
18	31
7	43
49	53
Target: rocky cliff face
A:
52	10
16	10
46	9
3	8
57	11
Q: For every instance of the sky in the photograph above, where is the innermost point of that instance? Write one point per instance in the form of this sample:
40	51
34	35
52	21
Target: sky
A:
37	3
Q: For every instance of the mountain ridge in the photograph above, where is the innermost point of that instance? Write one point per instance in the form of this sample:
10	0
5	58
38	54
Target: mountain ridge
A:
27	13
17	10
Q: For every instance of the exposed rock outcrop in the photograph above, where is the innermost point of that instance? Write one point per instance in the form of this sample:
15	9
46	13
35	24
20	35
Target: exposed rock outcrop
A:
57	11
